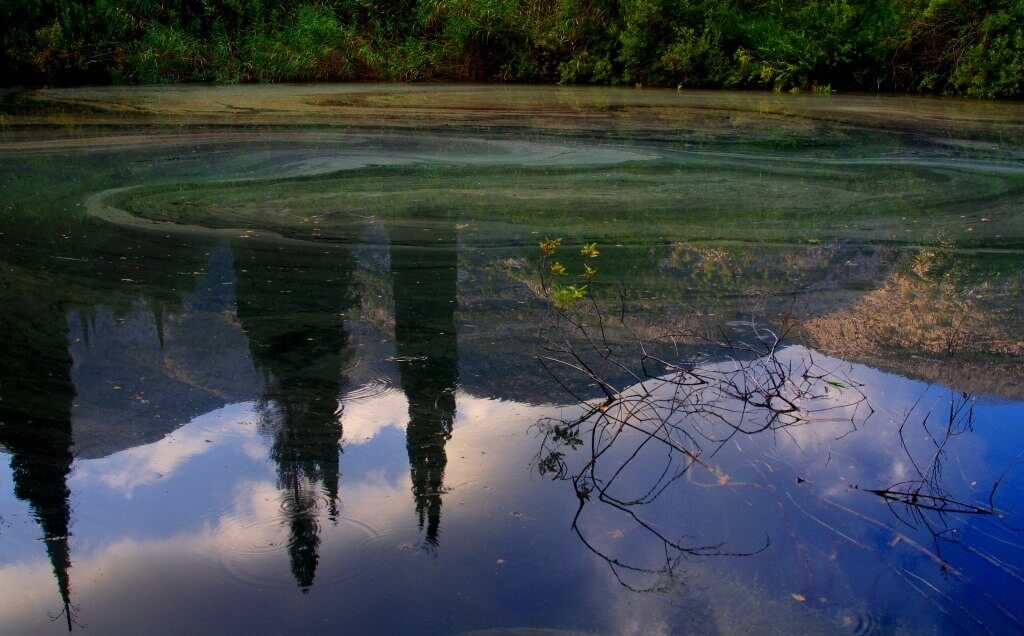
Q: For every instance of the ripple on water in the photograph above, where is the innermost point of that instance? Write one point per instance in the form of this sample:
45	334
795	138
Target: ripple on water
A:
378	386
860	623
261	545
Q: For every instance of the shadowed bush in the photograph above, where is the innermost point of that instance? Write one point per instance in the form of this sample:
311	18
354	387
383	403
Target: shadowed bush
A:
972	47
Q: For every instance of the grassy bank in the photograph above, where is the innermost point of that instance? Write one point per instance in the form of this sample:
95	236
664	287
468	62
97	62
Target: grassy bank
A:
971	47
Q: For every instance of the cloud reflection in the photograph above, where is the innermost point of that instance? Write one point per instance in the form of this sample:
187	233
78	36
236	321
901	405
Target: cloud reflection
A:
226	530
144	465
368	418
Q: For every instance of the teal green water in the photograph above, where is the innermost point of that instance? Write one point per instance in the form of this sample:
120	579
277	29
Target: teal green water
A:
285	378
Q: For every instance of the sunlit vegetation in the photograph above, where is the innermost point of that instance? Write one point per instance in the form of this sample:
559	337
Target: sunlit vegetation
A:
965	47
933	310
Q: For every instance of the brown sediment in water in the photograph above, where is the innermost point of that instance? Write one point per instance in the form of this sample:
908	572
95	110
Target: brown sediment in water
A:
689	115
937	330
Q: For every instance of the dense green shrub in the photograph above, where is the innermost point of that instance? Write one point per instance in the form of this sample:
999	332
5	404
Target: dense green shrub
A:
973	47
993	64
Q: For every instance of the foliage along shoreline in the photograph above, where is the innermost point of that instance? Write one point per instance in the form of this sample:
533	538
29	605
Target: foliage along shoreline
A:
962	47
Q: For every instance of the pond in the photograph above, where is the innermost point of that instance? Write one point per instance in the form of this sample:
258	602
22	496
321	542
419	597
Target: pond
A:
291	358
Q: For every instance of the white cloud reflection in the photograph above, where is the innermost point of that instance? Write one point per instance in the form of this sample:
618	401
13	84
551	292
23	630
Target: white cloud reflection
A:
364	419
144	465
223	525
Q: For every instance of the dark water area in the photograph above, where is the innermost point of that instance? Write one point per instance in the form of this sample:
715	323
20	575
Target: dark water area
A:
273	376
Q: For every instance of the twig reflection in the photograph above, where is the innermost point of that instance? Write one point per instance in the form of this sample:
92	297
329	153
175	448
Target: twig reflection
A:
677	413
665	414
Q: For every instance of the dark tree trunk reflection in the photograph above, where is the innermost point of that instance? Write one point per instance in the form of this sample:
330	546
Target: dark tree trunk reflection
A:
36	393
290	304
424	269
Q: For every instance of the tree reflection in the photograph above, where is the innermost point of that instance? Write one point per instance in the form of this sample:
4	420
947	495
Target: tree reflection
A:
424	269
36	393
37	389
290	304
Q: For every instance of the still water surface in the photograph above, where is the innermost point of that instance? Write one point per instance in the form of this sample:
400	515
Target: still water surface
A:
269	362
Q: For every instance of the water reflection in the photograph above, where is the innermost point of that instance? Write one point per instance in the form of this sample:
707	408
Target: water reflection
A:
292	308
143	370
767	424
666	426
35	426
935	307
424	269
113	341
38	392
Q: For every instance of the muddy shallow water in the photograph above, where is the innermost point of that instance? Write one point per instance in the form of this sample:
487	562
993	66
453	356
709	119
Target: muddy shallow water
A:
270	361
